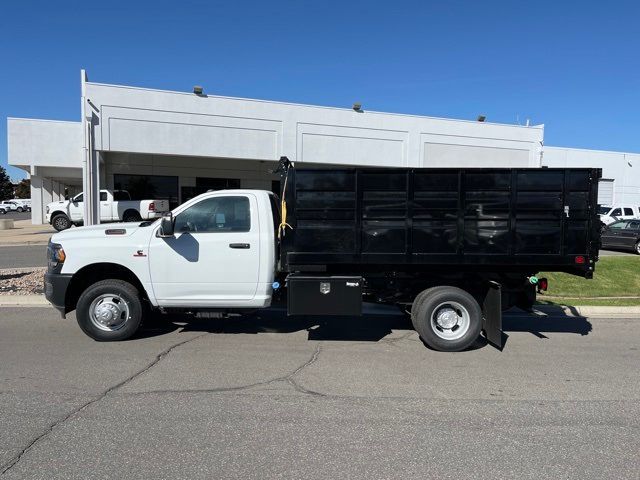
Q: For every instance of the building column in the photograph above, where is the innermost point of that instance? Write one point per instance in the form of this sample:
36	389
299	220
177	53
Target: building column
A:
37	205
90	158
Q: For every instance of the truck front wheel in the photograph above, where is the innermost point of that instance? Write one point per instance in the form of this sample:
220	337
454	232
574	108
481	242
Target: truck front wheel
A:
447	318
61	222
110	310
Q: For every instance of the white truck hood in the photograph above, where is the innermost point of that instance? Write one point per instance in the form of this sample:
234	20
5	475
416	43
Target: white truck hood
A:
61	203
98	231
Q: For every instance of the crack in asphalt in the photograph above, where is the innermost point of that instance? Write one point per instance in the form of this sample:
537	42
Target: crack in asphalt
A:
288	378
16	459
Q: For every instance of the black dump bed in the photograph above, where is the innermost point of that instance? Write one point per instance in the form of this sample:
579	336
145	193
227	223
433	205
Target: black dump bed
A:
532	219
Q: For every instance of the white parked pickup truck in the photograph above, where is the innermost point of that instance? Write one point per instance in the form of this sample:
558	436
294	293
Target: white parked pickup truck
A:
115	206
614	213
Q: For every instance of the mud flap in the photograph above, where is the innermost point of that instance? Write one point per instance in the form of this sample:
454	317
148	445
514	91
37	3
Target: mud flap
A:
492	315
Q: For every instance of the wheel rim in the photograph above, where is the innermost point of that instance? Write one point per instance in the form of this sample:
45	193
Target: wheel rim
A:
638	248
109	312
450	320
61	223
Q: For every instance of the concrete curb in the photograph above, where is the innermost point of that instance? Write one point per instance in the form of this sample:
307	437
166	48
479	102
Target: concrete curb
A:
590	311
23	301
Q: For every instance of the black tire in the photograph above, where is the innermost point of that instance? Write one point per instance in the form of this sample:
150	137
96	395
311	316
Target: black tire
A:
61	222
19	210
111	289
3	212
131	216
432	300
638	247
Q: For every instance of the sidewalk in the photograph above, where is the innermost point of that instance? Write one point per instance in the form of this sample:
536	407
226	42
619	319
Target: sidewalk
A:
25	233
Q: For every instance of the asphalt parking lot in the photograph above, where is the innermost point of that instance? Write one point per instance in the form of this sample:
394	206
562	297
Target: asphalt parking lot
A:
23	256
16	215
271	397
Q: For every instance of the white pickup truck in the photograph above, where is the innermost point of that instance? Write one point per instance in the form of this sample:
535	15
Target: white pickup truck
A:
115	206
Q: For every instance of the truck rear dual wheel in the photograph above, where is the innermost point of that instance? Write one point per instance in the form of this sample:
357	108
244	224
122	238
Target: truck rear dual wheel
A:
447	318
110	310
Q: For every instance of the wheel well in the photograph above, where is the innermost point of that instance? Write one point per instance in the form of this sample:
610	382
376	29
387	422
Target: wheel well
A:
130	210
94	273
58	212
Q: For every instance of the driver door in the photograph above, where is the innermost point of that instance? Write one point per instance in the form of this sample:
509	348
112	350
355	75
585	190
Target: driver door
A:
213	257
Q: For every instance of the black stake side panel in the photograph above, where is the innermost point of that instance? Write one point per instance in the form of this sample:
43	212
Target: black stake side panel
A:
541	219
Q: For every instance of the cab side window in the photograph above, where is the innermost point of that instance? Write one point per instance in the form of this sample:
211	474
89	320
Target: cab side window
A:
628	211
103	196
217	214
616	212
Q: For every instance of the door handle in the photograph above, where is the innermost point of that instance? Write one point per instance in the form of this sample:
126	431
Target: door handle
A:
239	245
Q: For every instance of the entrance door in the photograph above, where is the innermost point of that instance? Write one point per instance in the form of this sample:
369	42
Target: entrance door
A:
213	258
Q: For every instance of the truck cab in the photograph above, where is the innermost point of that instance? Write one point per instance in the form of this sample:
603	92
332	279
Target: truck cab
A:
220	254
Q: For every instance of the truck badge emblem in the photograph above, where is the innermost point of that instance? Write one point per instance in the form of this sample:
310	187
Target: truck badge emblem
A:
325	287
140	253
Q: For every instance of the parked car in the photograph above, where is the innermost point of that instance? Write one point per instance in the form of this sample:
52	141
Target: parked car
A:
623	235
115	206
609	214
22	204
9	206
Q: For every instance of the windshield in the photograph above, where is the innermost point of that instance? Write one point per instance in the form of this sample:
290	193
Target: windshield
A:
603	210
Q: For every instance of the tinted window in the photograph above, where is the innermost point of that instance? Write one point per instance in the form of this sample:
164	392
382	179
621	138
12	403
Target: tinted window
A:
628	211
204	184
634	225
149	187
121	195
79	198
103	196
618	225
616	212
603	210
219	214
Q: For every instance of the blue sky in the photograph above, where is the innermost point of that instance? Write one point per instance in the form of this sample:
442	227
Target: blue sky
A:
574	66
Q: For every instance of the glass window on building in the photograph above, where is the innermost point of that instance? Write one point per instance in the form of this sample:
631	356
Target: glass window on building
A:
149	187
204	184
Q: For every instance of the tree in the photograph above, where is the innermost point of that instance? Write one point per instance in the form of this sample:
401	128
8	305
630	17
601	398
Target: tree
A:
6	188
23	190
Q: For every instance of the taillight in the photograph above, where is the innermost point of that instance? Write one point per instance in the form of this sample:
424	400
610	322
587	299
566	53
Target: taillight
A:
152	207
543	284
580	260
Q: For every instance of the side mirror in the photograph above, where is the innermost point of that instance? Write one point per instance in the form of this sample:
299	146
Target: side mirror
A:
166	225
66	193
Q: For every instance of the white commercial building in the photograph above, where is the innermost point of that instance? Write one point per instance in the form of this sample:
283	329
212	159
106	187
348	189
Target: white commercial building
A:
174	145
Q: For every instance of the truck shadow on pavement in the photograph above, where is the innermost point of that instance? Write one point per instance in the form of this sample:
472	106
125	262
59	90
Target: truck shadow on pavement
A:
374	325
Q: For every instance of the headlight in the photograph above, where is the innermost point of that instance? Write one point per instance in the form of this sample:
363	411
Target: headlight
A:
55	254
